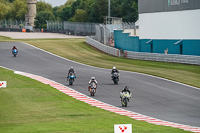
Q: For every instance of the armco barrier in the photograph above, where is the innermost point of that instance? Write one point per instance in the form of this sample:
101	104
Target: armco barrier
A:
102	47
185	59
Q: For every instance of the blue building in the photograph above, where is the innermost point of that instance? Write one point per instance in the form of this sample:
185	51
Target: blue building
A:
171	26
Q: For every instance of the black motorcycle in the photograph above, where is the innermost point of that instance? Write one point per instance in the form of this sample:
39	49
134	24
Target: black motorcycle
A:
115	78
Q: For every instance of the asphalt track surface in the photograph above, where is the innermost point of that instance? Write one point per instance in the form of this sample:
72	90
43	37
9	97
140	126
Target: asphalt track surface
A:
155	97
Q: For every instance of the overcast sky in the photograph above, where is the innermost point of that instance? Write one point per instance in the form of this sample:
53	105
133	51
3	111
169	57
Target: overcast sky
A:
55	2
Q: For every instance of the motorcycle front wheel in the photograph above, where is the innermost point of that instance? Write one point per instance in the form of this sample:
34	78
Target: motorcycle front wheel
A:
70	81
124	102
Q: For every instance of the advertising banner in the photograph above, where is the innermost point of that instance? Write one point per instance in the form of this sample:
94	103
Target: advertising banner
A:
150	6
3	84
123	128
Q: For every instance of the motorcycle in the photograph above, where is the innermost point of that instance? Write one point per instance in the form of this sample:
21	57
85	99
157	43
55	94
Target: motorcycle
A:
92	88
125	96
15	52
115	77
71	78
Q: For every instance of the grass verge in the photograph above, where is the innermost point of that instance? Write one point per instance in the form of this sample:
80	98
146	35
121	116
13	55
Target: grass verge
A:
29	106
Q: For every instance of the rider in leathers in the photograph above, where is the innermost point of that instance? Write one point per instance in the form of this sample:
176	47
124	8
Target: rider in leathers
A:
71	70
92	80
114	70
126	89
14	47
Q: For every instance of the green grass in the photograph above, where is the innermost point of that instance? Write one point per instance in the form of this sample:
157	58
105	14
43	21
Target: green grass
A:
4	39
78	50
28	106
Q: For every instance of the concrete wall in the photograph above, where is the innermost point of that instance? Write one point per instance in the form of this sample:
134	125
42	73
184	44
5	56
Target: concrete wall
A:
130	43
132	32
126	42
159	46
189	47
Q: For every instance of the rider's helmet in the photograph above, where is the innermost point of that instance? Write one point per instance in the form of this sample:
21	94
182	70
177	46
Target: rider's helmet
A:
14	47
92	78
71	68
114	67
126	88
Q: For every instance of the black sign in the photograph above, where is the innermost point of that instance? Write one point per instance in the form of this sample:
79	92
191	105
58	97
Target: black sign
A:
149	6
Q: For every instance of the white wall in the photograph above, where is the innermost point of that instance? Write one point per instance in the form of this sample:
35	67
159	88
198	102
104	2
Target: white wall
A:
170	25
132	32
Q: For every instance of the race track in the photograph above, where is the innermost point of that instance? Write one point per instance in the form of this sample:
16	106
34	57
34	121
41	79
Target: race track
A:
152	96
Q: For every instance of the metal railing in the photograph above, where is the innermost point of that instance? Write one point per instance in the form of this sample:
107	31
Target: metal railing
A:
80	27
105	33
109	50
11	25
75	28
184	59
129	25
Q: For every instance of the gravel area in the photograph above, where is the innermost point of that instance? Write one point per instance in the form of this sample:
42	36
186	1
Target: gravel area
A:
36	35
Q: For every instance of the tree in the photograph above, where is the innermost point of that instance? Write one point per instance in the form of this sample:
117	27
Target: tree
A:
68	10
10	0
19	9
55	12
43	6
66	14
74	10
4	9
100	9
80	16
69	2
41	18
128	11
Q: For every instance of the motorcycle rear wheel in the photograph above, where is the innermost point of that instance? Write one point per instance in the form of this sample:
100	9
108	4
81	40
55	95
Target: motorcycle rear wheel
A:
115	81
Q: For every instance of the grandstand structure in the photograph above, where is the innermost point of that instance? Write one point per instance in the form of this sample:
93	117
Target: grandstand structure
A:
165	26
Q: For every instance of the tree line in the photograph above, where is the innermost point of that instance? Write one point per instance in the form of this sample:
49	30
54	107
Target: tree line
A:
92	11
13	9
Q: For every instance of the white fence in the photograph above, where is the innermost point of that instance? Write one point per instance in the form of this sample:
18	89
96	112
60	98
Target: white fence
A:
102	47
185	59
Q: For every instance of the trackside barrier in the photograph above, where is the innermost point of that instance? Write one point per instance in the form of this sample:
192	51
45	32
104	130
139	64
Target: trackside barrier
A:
102	47
185	59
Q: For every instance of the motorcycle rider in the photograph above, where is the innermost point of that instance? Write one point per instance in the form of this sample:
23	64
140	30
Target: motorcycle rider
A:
14	47
125	89
92	80
71	70
114	70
